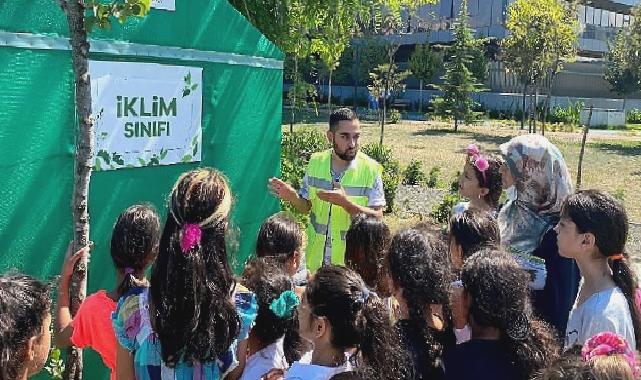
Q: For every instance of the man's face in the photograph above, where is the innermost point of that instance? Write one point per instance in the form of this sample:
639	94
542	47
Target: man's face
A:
345	139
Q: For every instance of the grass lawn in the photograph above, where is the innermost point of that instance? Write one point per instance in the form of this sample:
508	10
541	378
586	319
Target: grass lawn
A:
612	161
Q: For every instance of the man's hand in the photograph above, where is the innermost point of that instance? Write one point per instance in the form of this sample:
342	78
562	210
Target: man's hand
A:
336	196
282	190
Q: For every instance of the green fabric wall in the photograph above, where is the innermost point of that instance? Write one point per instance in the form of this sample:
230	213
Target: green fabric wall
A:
241	136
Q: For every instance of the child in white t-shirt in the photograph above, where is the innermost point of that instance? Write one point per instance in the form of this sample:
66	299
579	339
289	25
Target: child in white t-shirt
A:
593	230
273	340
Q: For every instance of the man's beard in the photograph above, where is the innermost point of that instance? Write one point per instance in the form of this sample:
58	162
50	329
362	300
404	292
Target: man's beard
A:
344	155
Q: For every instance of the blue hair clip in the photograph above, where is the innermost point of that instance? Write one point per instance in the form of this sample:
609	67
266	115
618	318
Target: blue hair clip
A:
284	305
365	294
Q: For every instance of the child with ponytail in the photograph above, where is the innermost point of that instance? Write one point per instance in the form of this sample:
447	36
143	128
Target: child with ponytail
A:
349	327
134	245
421	275
187	323
273	341
508	341
592	230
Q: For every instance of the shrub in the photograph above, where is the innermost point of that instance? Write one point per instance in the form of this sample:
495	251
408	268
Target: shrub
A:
413	174
391	170
442	211
434	177
394	116
633	116
296	150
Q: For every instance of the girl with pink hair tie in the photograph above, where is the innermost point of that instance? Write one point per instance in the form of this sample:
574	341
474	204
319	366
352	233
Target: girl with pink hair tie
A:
610	357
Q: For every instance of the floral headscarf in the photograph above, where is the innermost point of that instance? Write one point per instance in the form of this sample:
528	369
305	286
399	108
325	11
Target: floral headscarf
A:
541	182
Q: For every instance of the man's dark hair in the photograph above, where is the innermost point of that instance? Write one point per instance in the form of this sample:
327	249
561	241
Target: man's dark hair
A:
341	114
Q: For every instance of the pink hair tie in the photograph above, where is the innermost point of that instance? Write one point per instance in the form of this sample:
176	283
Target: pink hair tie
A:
473	150
608	343
191	235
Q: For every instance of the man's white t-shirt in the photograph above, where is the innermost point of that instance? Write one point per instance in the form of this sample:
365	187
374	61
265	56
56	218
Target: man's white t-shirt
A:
603	311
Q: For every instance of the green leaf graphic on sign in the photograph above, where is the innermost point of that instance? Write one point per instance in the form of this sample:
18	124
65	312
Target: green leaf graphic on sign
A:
194	86
142	162
97	167
188	78
195	150
186	92
118	159
163	153
187	158
104	155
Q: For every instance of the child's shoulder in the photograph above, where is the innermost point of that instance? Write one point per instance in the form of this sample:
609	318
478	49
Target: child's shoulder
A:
131	316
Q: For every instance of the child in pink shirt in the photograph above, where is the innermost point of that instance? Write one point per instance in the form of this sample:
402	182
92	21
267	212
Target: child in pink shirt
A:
134	245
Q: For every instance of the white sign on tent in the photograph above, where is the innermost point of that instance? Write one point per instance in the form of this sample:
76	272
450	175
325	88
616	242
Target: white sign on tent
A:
146	114
168	5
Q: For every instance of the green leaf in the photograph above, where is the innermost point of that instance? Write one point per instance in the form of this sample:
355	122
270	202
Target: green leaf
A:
163	154
90	22
186	158
194	86
186	92
142	162
97	166
188	78
104	155
195	150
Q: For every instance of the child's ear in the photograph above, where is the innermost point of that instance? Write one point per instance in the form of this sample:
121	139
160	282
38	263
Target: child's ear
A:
321	327
31	349
296	260
588	240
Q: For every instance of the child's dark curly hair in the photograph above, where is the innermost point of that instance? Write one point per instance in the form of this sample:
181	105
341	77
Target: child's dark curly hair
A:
191	289
358	319
366	244
420	267
134	242
25	304
499	294
279	236
268	281
474	230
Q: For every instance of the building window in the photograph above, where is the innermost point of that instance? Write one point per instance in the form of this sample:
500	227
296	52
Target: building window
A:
589	15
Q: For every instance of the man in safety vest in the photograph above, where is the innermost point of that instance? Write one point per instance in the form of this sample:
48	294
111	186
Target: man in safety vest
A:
339	183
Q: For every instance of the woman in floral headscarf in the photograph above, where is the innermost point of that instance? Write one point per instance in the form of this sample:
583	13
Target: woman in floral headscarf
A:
538	181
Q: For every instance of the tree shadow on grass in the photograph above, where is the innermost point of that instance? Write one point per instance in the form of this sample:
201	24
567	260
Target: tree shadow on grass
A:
626	149
473	136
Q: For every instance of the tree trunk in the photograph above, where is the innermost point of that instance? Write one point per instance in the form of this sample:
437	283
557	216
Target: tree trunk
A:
329	93
546	107
74	11
455	124
383	114
420	97
536	104
355	65
586	129
295	97
523	107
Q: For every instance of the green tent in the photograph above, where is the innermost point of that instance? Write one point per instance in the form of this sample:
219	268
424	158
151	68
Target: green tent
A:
241	117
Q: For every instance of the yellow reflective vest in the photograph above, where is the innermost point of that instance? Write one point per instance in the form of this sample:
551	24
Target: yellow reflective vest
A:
357	180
